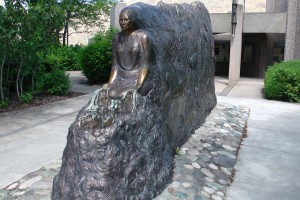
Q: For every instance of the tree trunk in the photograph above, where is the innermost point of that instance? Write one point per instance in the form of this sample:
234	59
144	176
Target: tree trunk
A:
32	83
66	29
1	77
21	85
18	79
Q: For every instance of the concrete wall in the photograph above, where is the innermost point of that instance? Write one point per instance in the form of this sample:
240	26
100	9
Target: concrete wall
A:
214	6
264	23
253	22
276	5
221	22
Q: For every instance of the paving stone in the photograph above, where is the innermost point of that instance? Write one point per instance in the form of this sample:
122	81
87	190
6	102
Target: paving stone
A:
197	197
209	148
205	194
228	147
177	176
224	161
217	145
219	174
212	166
181	152
189	177
189	166
192	158
209	141
3	193
235	145
208	173
206	145
210	179
19	193
186	185
193	189
13	186
208	190
222	181
221	194
215	186
180	195
226	171
176	184
29	182
215	197
171	190
199	177
184	148
204	157
196	165
193	152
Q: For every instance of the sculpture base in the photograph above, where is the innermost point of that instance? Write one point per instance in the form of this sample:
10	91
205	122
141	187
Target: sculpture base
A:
115	150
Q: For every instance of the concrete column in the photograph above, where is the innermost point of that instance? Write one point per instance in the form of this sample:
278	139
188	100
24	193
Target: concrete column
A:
277	5
236	47
114	14
292	39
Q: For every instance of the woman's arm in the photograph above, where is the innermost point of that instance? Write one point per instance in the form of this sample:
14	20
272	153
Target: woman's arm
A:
144	62
114	68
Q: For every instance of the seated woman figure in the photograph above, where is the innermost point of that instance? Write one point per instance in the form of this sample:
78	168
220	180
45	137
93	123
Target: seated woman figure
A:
132	54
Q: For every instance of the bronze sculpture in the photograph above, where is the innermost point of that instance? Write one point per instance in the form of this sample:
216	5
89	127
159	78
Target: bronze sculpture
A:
122	147
132	55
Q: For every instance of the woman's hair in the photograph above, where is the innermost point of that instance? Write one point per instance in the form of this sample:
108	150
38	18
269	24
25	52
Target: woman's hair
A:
144	16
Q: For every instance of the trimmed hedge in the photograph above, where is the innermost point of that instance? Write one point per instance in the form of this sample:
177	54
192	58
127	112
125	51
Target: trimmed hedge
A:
96	58
282	81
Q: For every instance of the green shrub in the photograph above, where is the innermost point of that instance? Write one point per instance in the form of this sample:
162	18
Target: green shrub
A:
55	82
96	58
26	98
282	81
62	57
4	103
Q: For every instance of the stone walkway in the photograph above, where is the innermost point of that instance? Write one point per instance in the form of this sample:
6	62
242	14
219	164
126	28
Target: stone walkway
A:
204	165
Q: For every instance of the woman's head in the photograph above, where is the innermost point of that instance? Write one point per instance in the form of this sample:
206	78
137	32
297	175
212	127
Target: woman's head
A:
127	19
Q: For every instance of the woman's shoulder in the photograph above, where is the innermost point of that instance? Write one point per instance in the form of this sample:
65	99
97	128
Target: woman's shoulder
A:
117	35
141	33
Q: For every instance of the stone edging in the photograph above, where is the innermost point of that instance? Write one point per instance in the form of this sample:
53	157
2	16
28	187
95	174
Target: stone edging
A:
204	165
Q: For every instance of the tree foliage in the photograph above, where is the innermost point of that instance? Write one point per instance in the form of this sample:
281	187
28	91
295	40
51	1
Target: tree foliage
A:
87	12
28	28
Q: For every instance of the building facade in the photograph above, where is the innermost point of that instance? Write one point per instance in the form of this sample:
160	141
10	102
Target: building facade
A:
264	38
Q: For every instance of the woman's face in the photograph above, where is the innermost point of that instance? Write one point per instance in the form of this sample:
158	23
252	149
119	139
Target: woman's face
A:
126	21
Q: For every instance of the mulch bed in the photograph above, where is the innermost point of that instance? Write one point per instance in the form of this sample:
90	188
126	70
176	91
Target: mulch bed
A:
38	100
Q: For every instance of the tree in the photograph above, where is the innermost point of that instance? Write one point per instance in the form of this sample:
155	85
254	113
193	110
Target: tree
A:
25	31
29	27
83	12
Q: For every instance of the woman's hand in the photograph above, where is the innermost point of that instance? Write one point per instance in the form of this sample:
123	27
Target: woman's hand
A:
141	78
112	77
105	86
